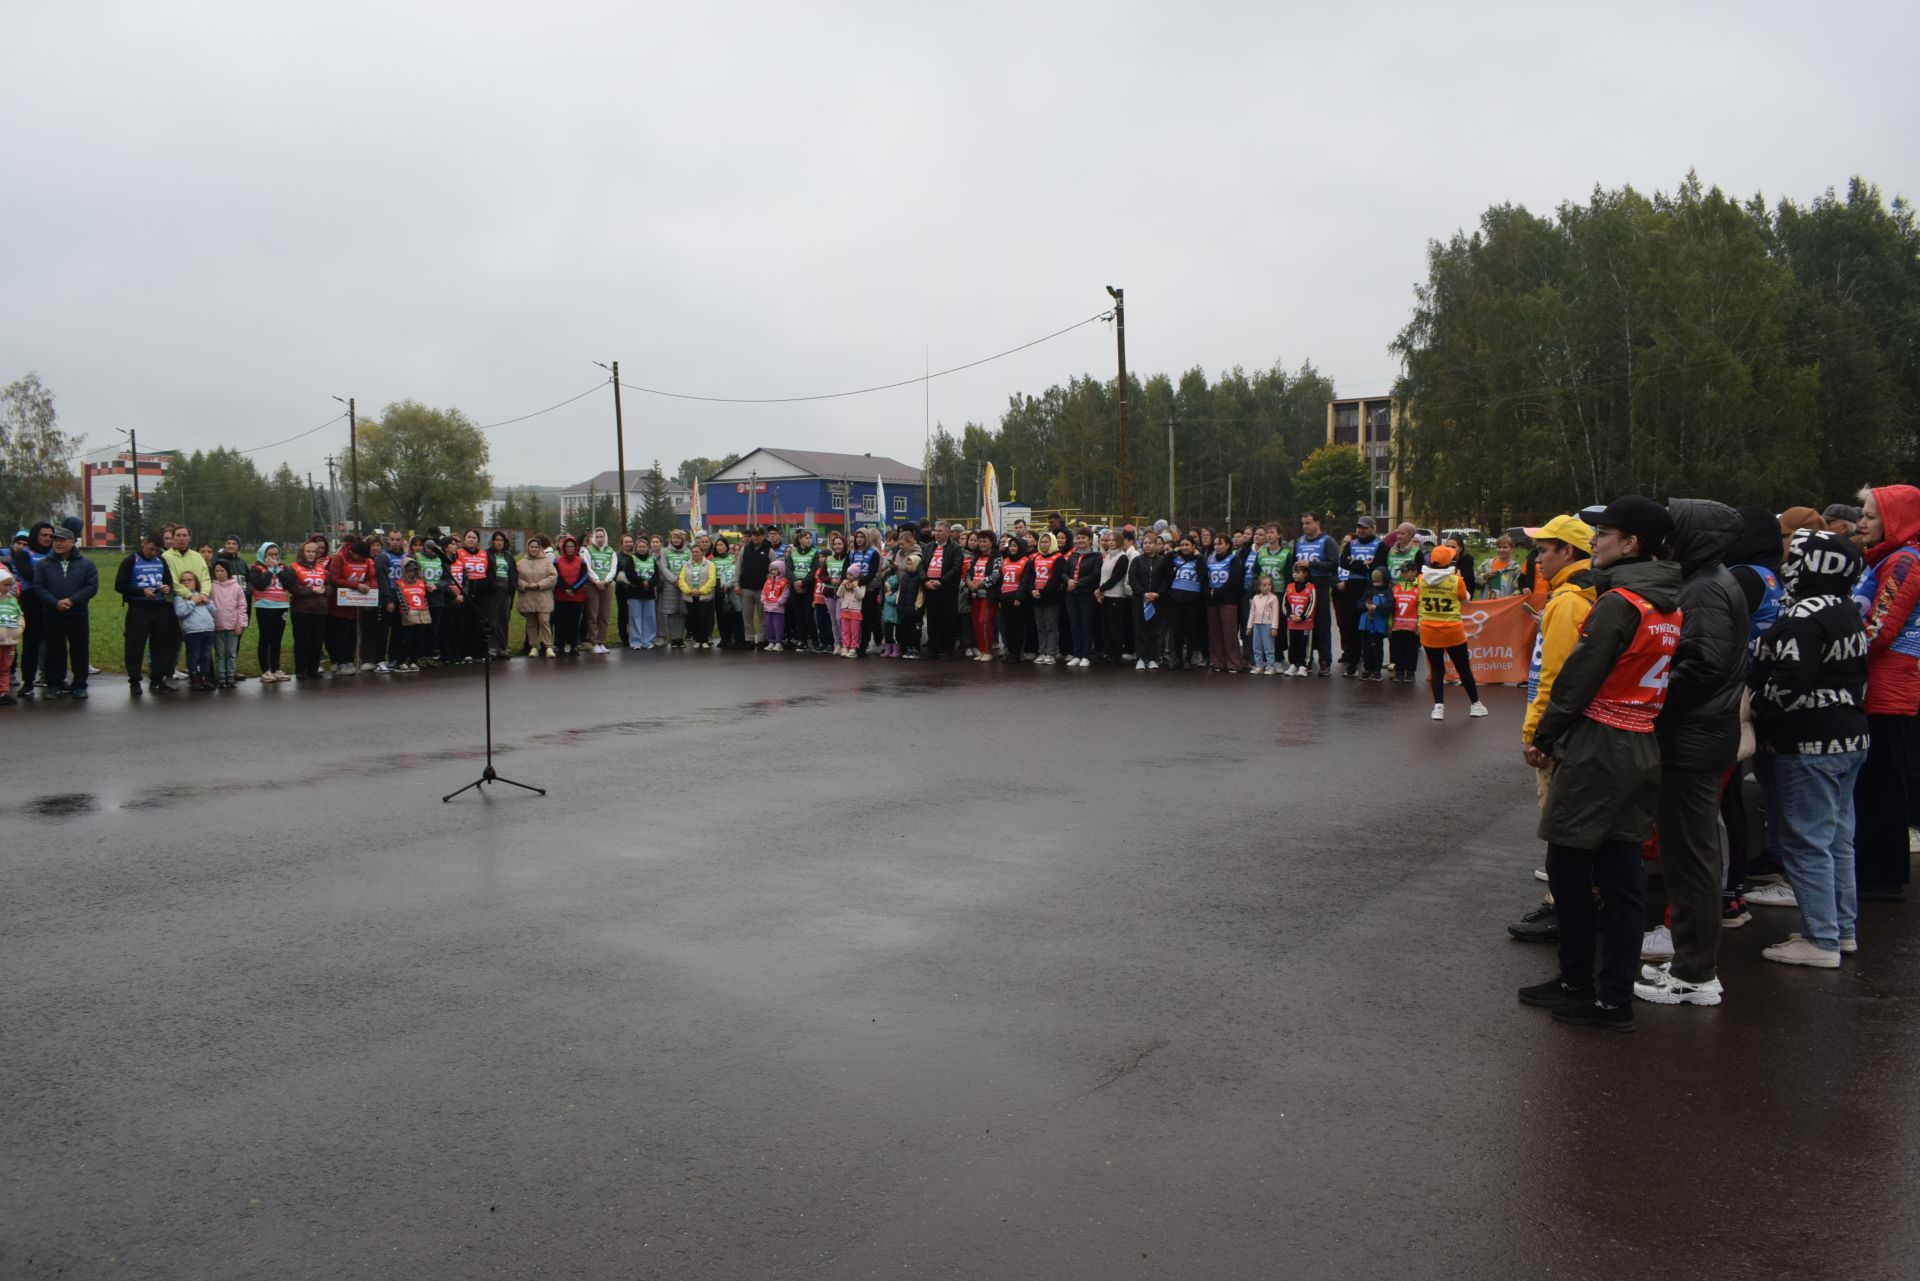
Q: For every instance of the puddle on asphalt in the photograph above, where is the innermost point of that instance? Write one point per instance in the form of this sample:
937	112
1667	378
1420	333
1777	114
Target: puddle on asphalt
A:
62	805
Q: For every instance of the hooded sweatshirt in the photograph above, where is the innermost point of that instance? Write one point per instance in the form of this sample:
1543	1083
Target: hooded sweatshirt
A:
1699	726
1568	601
1442	591
1810	671
1887	595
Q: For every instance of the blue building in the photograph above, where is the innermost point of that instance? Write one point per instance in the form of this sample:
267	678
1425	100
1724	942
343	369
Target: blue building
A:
793	487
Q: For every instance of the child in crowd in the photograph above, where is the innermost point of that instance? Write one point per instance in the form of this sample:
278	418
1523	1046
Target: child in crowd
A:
851	596
12	627
890	619
229	601
1263	617
773	601
1376	621
1404	639
196	627
1299	607
416	620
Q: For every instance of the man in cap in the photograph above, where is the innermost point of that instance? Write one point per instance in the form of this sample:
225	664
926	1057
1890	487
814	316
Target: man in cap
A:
1563	548
1598	731
1842	519
756	566
63	582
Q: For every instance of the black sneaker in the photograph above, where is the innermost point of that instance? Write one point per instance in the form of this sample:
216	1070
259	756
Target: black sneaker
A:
79	691
136	689
26	693
1538	926
1608	1018
1734	913
1554	993
7	700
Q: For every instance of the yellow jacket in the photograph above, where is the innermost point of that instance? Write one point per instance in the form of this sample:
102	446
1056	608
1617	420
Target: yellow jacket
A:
1567	604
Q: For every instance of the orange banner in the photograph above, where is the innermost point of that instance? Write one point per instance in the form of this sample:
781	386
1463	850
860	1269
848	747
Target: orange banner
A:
1499	639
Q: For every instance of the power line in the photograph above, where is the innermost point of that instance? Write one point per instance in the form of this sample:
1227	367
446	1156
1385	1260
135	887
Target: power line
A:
863	391
508	422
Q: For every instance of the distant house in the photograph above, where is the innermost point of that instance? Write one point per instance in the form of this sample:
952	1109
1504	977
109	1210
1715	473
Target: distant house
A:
789	487
101	485
576	500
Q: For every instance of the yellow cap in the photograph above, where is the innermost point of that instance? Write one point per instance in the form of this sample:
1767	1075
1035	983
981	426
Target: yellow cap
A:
1566	529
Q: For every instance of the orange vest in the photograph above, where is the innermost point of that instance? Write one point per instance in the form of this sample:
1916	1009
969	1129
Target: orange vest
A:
1010	571
1636	689
312	577
1043	571
412	595
1299	608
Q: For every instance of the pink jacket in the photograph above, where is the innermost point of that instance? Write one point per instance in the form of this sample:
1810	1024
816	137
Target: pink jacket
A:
229	601
1264	609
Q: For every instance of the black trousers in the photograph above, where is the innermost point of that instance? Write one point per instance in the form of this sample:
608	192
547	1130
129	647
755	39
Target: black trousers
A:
1187	642
799	620
1615	869
33	639
1881	806
621	599
372	626
1404	647
1371	646
1323	623
1346	612
149	631
1014	628
940	623
308	632
1437	671
1113	626
273	625
699	621
570	616
66	645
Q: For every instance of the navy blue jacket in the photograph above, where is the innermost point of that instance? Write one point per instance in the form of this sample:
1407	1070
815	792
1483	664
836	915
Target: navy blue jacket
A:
75	579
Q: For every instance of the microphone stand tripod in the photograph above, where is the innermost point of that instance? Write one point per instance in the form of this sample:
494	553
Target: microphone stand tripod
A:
489	774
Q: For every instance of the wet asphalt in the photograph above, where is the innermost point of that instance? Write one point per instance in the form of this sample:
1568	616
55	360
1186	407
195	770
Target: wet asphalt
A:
808	967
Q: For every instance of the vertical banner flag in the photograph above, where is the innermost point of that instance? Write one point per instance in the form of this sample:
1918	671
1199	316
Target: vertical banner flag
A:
880	500
693	507
990	501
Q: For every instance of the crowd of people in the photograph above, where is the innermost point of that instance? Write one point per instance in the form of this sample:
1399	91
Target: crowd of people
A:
1679	646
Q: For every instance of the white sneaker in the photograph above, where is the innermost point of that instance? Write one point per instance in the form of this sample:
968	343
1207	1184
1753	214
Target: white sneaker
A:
1848	945
1153	666
1797	951
383	668
1439	711
1779	895
1539	873
1657	944
1478	709
1660	987
1139	664
599	649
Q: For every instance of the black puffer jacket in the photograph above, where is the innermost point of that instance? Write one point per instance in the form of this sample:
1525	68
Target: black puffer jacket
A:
1699	728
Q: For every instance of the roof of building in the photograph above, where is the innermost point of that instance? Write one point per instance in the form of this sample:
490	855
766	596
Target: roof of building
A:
816	462
608	482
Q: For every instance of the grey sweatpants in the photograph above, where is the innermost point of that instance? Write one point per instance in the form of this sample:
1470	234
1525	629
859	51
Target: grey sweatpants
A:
1046	618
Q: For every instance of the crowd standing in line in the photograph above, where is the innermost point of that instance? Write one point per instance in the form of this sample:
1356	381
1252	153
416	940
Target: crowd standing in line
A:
1676	644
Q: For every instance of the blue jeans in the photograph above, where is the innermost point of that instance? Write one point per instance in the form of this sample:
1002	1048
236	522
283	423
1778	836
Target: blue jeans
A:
1263	645
1810	830
200	654
643	624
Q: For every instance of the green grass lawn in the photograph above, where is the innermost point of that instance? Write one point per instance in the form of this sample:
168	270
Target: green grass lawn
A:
107	618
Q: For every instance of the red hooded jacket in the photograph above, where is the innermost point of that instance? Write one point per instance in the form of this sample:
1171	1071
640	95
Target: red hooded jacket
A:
1893	678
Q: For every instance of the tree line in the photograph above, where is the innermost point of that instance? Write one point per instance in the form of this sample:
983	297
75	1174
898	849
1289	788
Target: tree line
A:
1674	345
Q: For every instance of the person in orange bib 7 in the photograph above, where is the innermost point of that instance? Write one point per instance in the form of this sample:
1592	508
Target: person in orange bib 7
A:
1597	730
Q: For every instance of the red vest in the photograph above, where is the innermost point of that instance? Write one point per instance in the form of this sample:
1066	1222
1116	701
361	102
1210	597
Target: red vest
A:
1300	607
936	559
1636	689
312	577
472	566
1043	571
1406	608
413	595
1010	571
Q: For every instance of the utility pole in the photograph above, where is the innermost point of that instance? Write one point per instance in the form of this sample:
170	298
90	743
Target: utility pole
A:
979	486
1229	502
313	502
133	447
333	499
620	446
1170	519
353	449
1126	446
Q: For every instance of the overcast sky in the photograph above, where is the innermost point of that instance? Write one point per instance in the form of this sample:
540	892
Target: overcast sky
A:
221	215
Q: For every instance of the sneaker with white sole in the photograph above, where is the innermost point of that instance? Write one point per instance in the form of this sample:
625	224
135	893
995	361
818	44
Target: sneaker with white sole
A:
599	649
1798	951
1439	711
1478	709
1658	986
1139	664
1848	945
383	668
1780	895
1657	944
1153	667
1539	873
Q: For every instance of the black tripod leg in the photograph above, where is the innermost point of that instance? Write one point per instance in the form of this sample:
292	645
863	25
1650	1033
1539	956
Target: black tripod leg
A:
468	788
526	787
